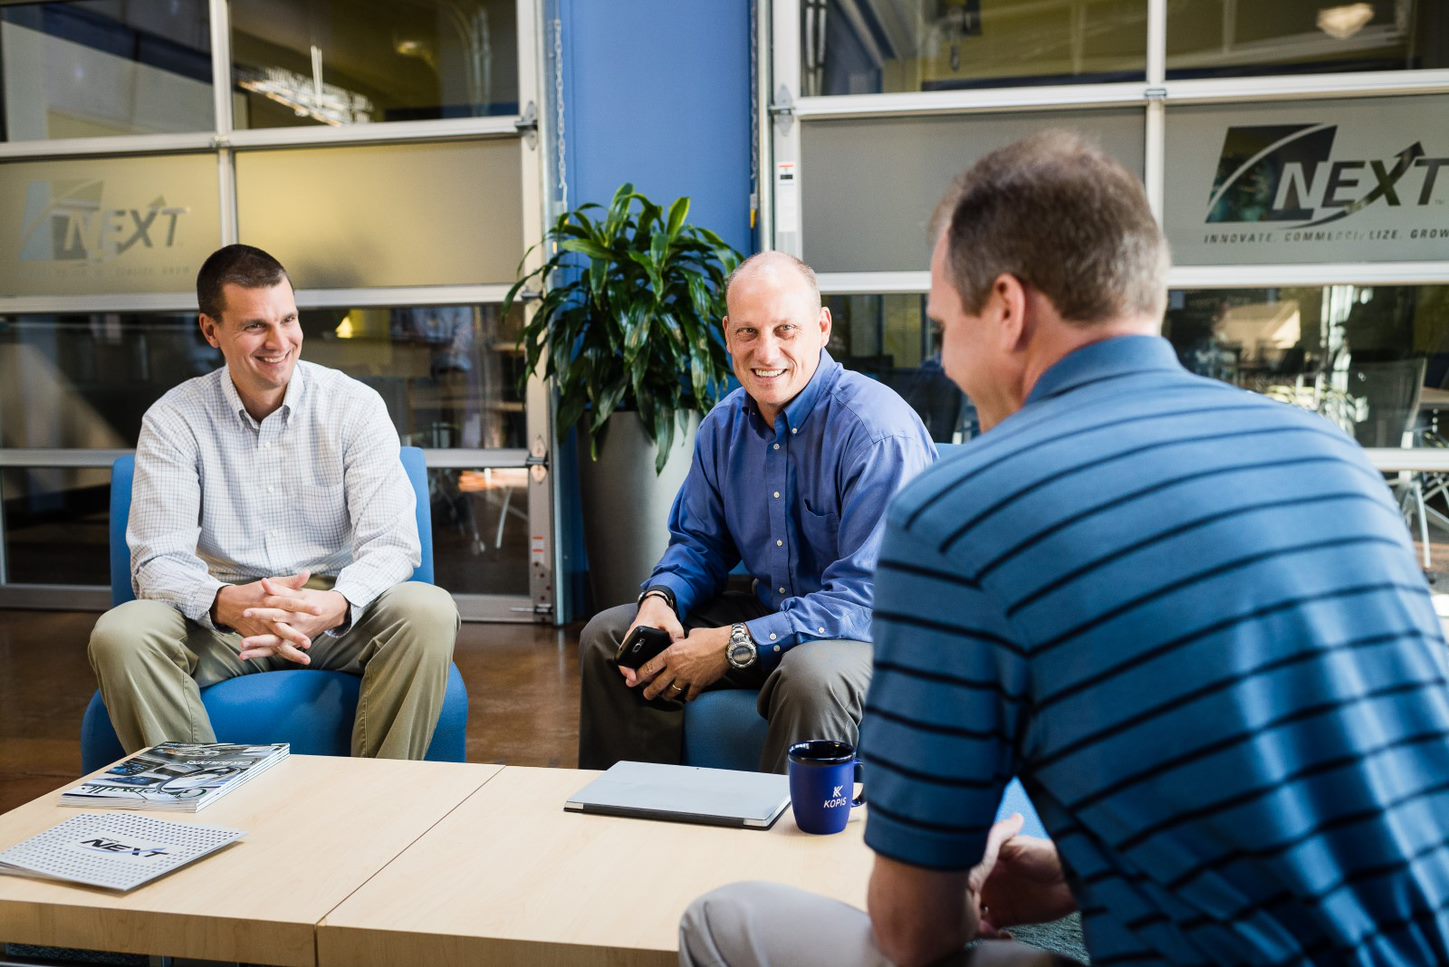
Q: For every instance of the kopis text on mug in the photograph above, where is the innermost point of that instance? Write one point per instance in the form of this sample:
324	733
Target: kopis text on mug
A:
823	774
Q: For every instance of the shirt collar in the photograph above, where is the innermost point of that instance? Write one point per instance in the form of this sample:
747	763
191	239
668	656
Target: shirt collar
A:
1110	357
798	410
290	400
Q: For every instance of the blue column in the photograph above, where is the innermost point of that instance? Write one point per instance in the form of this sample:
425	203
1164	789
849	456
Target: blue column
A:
657	93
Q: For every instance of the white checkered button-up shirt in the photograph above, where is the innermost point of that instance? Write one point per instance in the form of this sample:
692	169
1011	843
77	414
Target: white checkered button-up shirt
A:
317	485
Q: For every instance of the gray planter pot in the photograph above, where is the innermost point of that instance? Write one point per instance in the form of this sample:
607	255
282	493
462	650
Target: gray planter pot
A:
626	506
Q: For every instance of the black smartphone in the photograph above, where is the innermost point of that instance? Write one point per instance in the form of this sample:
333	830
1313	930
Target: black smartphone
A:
642	644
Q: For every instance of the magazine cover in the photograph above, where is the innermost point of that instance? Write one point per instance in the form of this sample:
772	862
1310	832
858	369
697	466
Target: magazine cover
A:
113	850
184	776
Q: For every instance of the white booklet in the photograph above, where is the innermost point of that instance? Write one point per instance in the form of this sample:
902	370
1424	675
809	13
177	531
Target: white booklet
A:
117	851
183	776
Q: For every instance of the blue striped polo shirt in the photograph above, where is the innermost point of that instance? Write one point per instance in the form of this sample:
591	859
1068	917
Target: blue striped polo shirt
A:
1191	620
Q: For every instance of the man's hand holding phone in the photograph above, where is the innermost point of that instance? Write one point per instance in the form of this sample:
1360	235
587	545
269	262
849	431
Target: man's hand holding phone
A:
654	612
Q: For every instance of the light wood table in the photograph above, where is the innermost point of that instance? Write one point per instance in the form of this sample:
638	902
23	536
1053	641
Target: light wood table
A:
317	828
509	878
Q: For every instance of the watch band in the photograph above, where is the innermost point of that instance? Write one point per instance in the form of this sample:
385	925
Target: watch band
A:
657	592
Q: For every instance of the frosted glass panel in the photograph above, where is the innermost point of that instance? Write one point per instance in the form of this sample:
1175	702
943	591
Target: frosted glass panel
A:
869	186
1354	180
93	69
386	215
107	225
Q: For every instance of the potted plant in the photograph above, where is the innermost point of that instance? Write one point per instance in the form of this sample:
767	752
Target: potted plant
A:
629	329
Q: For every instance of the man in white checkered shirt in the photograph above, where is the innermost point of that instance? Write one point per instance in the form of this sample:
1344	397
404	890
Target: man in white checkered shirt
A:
271	525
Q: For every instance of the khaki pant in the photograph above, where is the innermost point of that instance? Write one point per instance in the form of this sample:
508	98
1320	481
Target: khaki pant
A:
152	663
817	691
760	924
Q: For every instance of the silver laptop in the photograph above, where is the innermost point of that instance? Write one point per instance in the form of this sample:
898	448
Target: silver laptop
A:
685	794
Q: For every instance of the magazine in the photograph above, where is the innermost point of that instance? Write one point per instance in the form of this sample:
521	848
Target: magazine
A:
113	850
182	776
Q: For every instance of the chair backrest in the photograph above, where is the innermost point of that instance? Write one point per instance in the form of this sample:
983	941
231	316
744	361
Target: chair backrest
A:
1391	390
123	473
930	392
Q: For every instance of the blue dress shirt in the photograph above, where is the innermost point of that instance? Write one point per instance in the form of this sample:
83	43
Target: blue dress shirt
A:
802	503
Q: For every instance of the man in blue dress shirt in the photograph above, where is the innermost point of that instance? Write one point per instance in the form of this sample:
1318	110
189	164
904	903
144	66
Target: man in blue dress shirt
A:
791	474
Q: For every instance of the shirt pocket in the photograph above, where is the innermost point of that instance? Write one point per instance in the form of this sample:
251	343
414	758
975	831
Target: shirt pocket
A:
820	540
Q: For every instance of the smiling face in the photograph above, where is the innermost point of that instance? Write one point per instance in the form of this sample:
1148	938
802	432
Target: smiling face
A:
775	331
261	338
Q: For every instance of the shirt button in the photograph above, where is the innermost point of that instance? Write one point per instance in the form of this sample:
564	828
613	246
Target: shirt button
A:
777	495
777	647
794	430
777	446
271	490
822	631
773	636
782	590
779	543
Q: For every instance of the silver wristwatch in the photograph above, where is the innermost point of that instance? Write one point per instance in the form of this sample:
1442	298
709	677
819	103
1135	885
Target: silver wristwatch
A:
740	652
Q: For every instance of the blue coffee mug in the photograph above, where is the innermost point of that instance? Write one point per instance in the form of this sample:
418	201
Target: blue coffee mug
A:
823	774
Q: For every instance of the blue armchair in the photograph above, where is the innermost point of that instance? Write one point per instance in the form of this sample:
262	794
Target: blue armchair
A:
724	730
312	710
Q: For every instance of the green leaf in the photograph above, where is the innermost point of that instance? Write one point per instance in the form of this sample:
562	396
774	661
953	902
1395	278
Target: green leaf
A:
663	438
678	212
587	246
629	315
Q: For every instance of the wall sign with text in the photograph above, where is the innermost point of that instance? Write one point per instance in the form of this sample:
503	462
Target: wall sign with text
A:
106	225
1361	180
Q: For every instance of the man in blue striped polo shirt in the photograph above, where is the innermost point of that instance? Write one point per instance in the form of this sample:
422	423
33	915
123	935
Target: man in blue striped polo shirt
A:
1189	618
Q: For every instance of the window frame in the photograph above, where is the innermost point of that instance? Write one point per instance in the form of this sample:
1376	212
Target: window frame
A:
778	86
530	126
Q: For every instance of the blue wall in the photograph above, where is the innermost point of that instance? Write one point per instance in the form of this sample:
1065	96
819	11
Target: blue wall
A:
656	92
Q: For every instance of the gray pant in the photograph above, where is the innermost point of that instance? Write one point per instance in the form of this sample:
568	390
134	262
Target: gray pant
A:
817	691
152	662
758	924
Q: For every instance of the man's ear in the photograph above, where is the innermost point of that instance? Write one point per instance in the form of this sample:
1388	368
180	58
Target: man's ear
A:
826	321
1009	299
208	330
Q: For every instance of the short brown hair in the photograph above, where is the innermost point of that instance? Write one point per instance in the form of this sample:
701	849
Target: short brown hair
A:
1059	214
242	265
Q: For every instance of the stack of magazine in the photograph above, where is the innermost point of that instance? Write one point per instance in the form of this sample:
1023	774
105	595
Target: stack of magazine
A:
181	776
